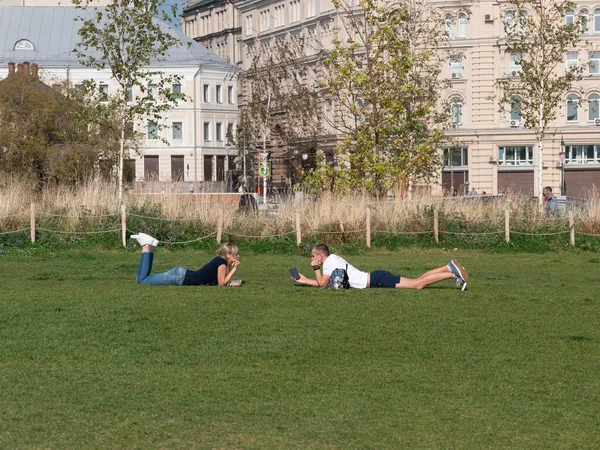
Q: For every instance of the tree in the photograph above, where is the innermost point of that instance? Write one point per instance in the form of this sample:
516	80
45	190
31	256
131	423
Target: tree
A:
539	36
383	80
281	108
44	132
125	37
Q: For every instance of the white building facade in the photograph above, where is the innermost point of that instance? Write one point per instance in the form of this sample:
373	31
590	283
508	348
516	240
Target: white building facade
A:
198	150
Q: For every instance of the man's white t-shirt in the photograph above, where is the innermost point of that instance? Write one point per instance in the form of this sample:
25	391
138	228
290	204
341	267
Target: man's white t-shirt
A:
357	278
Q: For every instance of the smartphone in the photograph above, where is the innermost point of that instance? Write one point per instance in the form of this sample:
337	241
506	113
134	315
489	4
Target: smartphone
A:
295	274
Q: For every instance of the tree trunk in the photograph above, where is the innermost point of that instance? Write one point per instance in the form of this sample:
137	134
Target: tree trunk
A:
540	169
121	161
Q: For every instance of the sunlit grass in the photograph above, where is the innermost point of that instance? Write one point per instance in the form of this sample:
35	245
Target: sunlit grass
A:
91	360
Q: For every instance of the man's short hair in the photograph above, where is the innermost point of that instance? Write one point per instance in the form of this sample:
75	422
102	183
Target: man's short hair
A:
321	249
549	188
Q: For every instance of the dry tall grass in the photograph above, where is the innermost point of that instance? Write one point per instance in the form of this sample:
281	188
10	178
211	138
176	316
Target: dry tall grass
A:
327	214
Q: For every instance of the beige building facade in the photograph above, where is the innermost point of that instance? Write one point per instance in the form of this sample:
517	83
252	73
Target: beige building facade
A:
496	153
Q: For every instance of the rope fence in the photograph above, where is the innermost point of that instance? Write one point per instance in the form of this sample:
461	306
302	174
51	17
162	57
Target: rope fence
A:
220	229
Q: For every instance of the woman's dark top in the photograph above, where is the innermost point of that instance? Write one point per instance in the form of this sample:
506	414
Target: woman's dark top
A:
205	275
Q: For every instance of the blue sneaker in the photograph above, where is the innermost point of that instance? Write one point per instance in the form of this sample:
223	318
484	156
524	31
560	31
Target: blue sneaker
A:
460	274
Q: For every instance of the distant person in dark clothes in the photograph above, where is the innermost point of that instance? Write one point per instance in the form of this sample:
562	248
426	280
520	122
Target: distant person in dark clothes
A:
247	203
217	272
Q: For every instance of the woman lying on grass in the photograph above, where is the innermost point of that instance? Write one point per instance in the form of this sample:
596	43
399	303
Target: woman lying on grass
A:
217	272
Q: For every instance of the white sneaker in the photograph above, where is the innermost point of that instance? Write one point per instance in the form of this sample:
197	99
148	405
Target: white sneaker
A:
145	239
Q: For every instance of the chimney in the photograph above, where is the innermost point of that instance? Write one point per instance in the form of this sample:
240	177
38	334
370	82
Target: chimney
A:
26	67
11	68
20	68
34	71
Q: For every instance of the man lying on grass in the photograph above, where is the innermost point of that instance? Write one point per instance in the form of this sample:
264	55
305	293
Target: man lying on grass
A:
217	272
322	259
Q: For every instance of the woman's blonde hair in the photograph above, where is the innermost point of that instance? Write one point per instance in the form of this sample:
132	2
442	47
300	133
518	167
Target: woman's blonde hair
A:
228	249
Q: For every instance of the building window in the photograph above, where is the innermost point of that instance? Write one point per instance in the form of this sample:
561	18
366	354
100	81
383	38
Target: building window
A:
597	21
129	94
594	63
206	131
515	65
456	111
572	62
151	90
456	157
206	94
572	108
584	15
449	26
249	30
570	18
230	98
294	11
264	20
219	131
462	26
218	96
103	92
177	92
594	107
152	130
230	135
515	156
24	44
515	109
509	20
279	19
310	8
177	131
582	154
456	67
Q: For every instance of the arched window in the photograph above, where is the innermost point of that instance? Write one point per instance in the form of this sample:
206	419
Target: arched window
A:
24	44
584	15
449	26
570	17
515	108
597	21
509	20
456	111
594	107
572	108
462	26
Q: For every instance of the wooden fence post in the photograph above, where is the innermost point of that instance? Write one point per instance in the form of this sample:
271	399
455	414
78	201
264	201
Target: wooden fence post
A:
507	225
220	225
298	230
368	227
571	228
436	230
32	222
124	225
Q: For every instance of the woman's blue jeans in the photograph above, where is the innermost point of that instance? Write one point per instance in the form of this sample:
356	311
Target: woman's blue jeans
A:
175	276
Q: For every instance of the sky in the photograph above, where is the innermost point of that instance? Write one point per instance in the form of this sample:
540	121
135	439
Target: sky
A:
179	3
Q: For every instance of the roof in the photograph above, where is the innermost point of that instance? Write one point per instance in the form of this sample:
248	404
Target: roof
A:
53	32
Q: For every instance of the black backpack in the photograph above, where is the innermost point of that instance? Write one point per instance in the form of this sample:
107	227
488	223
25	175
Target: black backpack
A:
339	279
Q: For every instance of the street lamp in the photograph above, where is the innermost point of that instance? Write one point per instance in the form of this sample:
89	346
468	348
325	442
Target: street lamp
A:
562	157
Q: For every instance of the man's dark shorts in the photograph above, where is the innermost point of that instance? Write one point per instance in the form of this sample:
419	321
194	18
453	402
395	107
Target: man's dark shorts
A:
383	279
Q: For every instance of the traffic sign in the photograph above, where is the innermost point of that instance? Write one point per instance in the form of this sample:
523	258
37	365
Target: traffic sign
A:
264	171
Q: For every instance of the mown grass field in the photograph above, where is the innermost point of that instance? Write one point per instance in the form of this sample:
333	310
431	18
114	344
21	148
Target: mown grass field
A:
88	359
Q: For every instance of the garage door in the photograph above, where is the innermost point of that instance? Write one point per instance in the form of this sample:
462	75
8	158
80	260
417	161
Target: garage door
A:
454	180
579	182
516	181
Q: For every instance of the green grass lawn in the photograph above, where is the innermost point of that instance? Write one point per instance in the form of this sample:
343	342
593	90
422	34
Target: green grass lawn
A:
88	359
